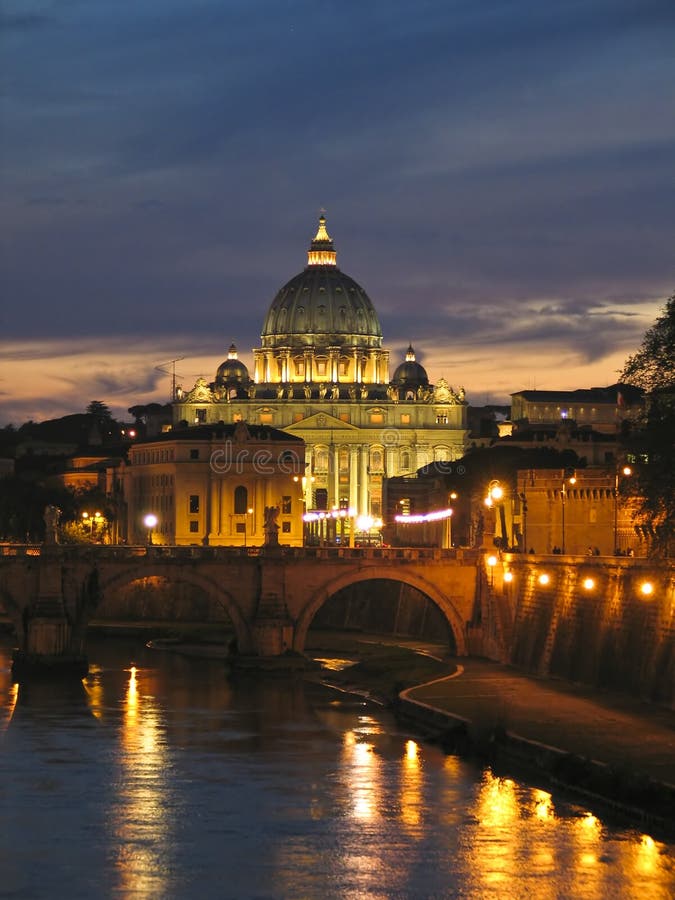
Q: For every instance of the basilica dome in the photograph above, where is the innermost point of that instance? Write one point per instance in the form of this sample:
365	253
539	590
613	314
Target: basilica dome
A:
321	306
232	371
410	373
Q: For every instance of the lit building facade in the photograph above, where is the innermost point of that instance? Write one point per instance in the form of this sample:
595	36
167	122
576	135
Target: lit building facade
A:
212	484
321	374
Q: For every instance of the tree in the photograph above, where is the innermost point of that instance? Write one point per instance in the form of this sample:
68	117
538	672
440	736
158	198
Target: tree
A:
650	440
99	410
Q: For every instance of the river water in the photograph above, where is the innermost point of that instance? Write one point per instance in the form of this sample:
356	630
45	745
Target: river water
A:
158	777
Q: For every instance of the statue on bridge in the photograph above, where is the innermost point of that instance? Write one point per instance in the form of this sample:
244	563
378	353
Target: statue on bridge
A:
52	515
271	526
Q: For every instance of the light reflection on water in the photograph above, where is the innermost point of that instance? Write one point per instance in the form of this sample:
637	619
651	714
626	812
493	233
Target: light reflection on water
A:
158	777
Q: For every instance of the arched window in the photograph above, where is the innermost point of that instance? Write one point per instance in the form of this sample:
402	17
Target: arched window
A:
240	500
376	461
405	460
321	459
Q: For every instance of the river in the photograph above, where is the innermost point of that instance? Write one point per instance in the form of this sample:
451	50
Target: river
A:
160	777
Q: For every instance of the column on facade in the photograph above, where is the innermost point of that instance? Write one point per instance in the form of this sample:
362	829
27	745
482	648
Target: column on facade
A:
384	366
258	366
308	355
353	476
372	366
334	476
334	363
285	357
363	481
309	489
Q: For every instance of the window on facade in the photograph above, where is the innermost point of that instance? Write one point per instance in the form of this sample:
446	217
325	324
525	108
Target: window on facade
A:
321	498
200	415
194	527
405	418
194	453
321	366
404	506
299	367
343	460
344	417
376	418
286	505
298	417
240	528
240	500
405	460
376	461
441	419
266	418
194	503
321	460
286	527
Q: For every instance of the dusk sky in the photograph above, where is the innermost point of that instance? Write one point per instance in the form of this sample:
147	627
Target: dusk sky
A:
499	175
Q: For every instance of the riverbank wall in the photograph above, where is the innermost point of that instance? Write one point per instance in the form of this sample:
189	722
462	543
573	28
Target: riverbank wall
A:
590	621
631	794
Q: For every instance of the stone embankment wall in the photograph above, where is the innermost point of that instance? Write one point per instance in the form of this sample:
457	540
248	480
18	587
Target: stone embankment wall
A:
592	622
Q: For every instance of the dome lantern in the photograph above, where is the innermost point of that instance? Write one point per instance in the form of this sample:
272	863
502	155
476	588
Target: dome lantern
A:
321	251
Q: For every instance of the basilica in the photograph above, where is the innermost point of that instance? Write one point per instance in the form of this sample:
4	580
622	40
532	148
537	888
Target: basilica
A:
321	374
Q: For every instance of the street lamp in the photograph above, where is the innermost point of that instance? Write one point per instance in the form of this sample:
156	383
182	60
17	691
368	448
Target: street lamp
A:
150	521
563	499
249	512
492	562
626	470
495	497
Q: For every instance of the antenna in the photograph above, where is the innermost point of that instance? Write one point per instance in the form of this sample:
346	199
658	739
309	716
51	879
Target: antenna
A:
171	372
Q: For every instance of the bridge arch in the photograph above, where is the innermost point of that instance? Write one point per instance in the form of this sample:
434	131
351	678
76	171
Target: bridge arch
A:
115	580
322	594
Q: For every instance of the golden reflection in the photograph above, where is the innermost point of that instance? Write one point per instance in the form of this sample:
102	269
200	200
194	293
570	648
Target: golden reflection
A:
411	786
142	820
363	778
497	801
543	806
368	725
590	825
10	704
648	856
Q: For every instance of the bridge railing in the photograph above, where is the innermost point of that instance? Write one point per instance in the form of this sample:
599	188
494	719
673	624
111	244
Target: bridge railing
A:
124	551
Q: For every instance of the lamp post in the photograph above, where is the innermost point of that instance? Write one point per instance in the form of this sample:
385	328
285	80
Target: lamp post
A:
249	512
626	470
150	521
563	500
495	497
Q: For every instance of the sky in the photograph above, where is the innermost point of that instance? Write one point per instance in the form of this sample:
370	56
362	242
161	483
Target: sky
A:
499	175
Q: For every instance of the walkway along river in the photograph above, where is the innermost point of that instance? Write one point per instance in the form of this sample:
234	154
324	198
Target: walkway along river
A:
160	777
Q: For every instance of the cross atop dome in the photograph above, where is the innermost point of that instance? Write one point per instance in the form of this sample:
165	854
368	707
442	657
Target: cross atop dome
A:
321	251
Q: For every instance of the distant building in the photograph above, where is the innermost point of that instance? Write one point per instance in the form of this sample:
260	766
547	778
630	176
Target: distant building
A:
321	374
211	485
602	409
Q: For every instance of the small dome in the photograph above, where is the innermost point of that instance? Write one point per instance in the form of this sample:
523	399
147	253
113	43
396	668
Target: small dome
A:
410	373
321	306
232	371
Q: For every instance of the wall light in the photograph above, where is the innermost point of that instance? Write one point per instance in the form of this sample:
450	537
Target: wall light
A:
544	578
589	583
646	588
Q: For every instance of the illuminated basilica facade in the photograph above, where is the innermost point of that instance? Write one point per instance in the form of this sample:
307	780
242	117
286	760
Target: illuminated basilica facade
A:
322	374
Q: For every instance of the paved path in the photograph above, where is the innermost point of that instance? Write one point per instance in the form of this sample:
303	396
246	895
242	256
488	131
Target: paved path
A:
589	723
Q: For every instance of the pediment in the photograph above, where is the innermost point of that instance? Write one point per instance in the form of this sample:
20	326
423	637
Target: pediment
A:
320	421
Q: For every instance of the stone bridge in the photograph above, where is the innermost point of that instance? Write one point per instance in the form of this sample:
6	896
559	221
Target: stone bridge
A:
598	620
270	596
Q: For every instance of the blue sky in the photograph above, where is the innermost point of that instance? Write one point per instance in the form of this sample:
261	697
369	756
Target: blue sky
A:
499	176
